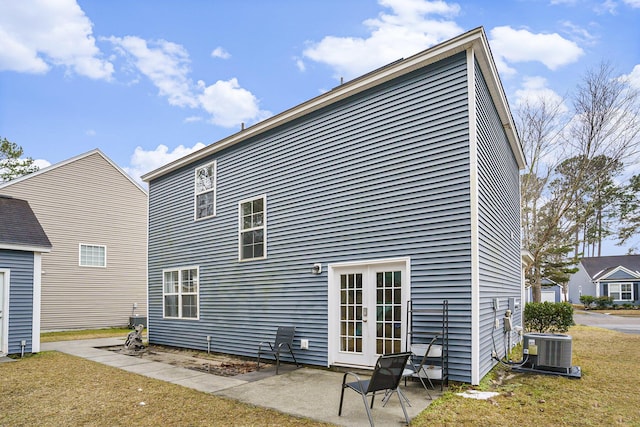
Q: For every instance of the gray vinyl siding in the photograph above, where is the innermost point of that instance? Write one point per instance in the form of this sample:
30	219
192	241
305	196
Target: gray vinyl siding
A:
382	174
580	284
20	265
88	201
498	224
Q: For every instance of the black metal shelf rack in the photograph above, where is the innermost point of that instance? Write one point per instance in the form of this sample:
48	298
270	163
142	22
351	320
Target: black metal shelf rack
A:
433	322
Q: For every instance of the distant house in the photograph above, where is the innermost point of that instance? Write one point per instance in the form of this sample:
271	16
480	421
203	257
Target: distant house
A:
550	292
95	216
614	276
401	185
22	243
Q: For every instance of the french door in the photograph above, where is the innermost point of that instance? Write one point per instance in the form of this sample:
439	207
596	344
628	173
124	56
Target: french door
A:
367	311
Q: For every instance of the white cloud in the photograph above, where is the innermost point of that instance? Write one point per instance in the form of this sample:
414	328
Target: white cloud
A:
38	34
41	163
165	63
535	91
193	119
300	64
509	45
607	6
578	33
90	132
143	161
634	77
219	52
229	104
412	26
632	3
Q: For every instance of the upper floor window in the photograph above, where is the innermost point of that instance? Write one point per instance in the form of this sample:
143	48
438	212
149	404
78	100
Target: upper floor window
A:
253	228
205	191
621	291
180	293
93	255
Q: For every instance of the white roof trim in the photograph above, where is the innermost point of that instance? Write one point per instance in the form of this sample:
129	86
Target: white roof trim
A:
475	39
24	248
622	268
71	160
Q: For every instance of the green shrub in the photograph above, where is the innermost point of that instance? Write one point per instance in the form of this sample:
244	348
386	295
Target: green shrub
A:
603	302
587	300
548	316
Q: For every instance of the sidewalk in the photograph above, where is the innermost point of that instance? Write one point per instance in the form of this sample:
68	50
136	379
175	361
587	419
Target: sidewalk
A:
307	392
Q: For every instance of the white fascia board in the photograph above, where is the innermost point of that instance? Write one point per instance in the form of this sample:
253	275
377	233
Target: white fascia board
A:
631	273
25	248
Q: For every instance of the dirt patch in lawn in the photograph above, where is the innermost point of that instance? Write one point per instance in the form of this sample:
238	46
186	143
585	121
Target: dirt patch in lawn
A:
212	363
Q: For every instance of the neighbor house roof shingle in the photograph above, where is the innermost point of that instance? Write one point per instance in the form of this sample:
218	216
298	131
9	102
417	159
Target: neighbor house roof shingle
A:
19	227
598	266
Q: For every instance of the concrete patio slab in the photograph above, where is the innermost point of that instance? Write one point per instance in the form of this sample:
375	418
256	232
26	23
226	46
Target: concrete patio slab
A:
209	383
307	392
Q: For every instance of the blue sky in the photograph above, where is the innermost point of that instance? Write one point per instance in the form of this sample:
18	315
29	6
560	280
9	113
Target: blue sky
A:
149	81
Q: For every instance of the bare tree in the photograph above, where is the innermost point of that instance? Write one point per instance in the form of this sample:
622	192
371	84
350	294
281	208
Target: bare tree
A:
540	123
565	162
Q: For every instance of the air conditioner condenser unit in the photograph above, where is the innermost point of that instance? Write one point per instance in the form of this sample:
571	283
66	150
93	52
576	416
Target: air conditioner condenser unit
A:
548	354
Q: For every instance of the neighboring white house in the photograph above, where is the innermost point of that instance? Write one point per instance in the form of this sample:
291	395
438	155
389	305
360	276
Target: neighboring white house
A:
95	216
614	276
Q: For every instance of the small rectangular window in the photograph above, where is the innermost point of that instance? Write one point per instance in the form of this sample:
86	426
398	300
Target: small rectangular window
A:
621	291
93	256
180	291
205	191
253	228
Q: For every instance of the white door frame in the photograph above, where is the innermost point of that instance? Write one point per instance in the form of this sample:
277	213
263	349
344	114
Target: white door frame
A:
333	299
4	306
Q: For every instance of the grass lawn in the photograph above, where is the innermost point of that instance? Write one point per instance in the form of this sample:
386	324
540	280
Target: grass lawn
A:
85	334
606	395
56	389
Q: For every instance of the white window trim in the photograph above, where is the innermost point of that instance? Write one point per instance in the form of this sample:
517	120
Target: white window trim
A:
4	323
264	228
620	291
214	190
91	266
179	270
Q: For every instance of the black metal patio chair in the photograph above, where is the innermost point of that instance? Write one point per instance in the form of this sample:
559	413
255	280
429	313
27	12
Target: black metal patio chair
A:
283	343
386	377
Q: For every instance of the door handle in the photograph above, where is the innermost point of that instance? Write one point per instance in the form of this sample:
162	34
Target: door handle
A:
365	311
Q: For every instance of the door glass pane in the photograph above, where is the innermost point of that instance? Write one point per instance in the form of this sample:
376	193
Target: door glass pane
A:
351	323
388	312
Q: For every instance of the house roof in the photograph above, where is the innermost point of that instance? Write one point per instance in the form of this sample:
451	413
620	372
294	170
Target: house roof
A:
474	40
71	160
19	228
597	267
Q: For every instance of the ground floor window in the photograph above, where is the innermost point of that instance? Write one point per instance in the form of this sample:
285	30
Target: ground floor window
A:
621	291
180	293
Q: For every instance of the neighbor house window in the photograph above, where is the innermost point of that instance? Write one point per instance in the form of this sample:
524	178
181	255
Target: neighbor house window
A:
621	291
180	293
205	191
253	236
93	256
